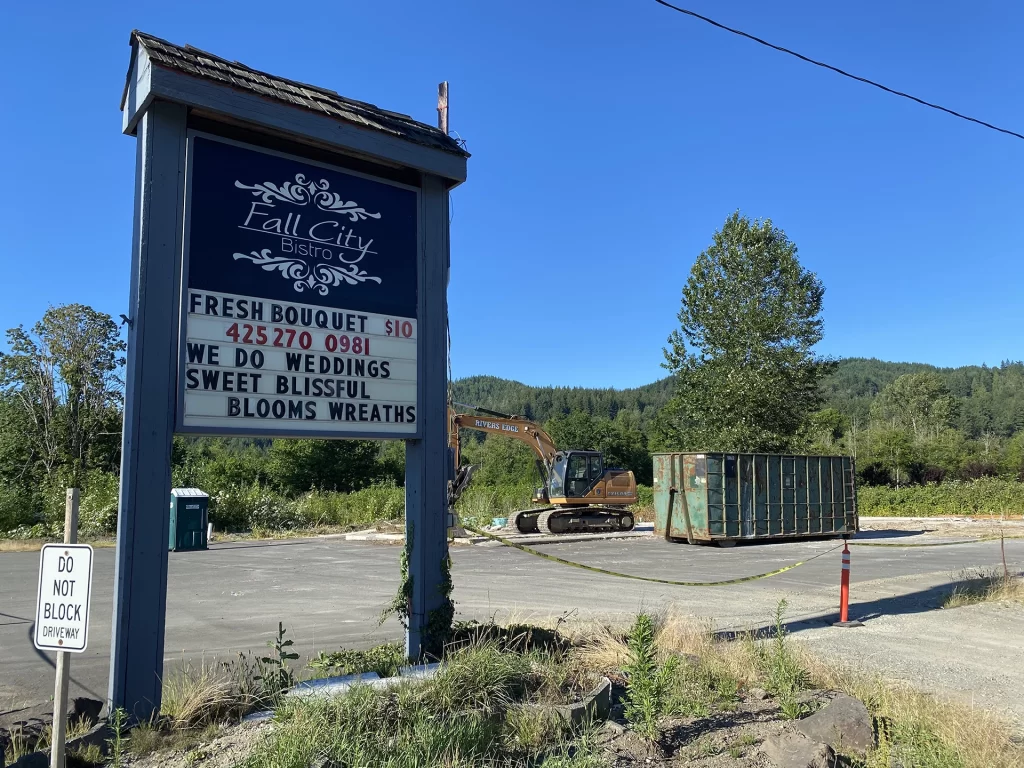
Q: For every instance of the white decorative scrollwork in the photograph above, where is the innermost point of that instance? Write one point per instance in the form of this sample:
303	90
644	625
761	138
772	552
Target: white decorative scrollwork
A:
302	192
320	278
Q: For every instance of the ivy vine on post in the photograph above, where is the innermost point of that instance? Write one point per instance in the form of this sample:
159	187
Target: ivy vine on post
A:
439	623
438	630
401	603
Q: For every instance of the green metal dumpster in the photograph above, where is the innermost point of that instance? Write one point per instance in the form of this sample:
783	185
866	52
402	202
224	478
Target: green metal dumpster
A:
726	497
189	512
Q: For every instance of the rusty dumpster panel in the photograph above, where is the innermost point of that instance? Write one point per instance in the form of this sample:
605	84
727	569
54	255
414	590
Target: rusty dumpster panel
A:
734	496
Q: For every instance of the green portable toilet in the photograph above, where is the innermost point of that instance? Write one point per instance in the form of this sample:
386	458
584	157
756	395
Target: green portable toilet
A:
189	511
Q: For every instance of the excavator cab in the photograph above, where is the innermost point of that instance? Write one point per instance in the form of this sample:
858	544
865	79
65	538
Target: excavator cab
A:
575	473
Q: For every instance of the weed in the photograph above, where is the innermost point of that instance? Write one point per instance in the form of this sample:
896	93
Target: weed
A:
91	755
481	678
647	680
118	743
738	748
699	688
705	746
196	695
145	738
276	677
985	585
784	675
921	731
384	659
531	729
581	752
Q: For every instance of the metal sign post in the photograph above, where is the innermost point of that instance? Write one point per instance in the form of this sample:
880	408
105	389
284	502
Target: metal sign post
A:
62	613
289	280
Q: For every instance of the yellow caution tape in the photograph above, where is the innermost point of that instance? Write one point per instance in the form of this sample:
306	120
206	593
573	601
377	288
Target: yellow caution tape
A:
933	544
595	569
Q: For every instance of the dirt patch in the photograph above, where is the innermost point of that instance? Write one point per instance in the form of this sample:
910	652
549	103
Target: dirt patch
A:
723	739
228	749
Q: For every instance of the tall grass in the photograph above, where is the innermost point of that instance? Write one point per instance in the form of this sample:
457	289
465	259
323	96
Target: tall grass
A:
469	715
986	585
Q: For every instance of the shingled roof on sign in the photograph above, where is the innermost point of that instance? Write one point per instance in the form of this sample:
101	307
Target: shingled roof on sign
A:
197	63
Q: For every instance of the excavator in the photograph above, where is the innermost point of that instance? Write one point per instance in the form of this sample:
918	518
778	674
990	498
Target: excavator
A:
579	494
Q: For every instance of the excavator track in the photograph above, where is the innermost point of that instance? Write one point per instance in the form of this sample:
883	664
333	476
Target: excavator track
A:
592	519
525	520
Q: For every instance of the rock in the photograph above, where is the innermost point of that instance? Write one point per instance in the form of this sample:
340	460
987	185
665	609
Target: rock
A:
844	724
794	750
32	760
609	732
84	708
97	736
758	694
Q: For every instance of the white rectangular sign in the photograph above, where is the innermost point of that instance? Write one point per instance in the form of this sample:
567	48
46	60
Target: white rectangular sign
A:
62	607
272	366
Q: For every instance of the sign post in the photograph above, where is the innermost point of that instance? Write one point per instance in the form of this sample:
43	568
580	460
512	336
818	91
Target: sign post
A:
62	613
291	253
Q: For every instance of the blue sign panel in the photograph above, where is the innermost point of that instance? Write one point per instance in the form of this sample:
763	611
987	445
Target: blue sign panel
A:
300	301
273	227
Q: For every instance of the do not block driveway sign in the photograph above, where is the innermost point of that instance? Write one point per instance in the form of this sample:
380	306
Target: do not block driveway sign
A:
62	606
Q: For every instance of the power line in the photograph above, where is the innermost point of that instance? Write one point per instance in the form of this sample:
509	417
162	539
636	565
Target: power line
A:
822	64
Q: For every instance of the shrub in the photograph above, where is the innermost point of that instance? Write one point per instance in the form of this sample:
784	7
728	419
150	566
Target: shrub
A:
17	508
97	508
985	496
644	507
364	507
481	503
245	507
384	659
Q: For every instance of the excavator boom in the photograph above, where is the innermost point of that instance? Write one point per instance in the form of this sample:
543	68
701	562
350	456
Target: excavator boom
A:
505	425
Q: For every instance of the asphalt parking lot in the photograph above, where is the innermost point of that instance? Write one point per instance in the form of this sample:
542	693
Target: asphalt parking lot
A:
329	593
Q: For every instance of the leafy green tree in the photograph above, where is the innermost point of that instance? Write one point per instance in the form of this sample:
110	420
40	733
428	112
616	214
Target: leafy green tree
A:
892	449
502	461
297	466
919	403
745	372
578	431
824	430
1012	462
63	376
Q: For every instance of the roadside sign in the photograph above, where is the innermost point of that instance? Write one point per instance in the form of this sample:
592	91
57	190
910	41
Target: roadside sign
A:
62	607
300	299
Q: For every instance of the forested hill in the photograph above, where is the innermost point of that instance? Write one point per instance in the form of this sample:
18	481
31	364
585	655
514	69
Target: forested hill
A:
542	403
991	400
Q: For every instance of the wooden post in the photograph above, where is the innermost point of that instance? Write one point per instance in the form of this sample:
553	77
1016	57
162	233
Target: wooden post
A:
442	106
60	690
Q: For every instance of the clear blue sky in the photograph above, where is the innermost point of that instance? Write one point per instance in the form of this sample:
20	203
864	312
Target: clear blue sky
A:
610	138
